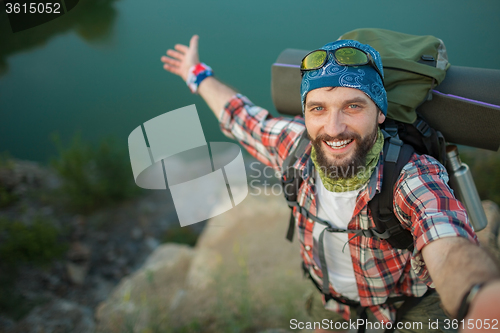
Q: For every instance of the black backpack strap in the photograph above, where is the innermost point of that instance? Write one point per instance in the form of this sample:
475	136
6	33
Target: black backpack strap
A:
396	156
291	179
408	304
433	140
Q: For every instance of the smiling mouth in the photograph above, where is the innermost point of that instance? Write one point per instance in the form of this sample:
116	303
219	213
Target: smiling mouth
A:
338	144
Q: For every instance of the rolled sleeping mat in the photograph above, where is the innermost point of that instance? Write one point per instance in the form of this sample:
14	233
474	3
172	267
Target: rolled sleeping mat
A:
465	107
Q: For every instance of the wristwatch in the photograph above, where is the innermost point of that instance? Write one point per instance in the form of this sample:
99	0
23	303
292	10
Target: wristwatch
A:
467	299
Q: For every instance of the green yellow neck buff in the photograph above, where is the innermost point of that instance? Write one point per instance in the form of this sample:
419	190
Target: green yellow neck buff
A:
359	179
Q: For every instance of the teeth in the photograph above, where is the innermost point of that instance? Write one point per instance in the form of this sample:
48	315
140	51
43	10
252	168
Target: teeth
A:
338	144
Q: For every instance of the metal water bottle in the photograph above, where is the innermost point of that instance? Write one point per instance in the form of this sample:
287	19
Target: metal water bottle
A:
465	189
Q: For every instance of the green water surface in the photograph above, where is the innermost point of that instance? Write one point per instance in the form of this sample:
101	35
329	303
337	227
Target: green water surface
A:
97	68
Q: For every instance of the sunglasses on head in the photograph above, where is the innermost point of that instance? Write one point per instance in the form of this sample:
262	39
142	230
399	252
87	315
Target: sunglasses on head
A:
345	56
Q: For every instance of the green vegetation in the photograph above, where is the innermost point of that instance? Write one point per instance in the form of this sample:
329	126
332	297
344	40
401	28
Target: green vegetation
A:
12	303
93	176
181	235
485	168
6	195
37	243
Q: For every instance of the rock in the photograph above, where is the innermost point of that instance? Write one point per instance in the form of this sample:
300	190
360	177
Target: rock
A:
78	263
136	233
110	254
244	270
168	255
59	316
100	236
489	235
6	324
148	293
121	261
179	295
78	227
203	268
51	281
18	177
102	288
14	173
78	252
77	272
242	273
152	243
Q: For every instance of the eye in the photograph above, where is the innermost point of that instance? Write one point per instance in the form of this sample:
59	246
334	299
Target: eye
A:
353	106
317	108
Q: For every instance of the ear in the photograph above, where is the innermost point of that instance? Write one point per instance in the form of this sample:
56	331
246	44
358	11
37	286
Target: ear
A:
381	117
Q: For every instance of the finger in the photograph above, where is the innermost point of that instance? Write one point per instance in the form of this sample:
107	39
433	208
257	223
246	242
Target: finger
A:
181	48
175	54
171	69
170	61
193	43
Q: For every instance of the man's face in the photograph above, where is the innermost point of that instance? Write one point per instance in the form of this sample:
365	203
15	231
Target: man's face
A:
342	125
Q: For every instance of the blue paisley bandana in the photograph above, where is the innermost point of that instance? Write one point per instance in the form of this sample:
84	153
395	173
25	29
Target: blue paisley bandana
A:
364	78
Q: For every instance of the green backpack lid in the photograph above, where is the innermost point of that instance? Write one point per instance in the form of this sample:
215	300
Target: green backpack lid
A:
413	65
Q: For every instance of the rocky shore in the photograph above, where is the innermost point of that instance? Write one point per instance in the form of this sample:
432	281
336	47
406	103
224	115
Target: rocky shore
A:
116	275
101	249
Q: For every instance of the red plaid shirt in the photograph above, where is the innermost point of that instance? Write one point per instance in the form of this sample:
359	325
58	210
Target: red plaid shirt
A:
423	203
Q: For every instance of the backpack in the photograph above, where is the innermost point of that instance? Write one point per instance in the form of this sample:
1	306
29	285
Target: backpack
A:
413	66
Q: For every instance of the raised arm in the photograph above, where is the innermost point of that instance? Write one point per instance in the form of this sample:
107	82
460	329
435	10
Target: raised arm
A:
455	265
179	62
446	250
267	138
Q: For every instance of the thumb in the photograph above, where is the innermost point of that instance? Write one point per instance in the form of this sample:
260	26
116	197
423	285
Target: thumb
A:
193	43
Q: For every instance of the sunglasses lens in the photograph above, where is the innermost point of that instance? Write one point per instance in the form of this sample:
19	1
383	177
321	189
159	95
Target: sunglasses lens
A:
314	60
350	56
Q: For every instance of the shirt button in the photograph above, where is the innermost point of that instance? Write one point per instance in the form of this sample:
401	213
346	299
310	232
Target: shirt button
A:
316	268
308	248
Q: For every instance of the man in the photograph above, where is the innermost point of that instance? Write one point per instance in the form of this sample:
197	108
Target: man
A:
343	106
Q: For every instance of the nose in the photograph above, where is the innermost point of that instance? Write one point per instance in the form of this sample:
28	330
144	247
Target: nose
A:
335	123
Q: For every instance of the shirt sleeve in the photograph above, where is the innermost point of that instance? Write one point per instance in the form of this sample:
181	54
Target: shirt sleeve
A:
426	204
268	139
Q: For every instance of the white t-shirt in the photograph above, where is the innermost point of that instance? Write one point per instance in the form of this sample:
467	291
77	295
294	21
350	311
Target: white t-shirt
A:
336	208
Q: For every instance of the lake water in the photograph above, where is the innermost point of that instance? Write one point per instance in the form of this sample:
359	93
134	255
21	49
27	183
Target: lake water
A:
97	68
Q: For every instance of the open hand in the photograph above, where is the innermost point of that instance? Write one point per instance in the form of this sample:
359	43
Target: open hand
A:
182	58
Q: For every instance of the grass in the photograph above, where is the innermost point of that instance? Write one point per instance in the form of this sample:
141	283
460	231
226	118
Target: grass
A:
38	243
12	303
93	176
181	235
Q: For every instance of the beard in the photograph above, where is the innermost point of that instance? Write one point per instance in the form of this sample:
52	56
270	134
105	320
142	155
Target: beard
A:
347	167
